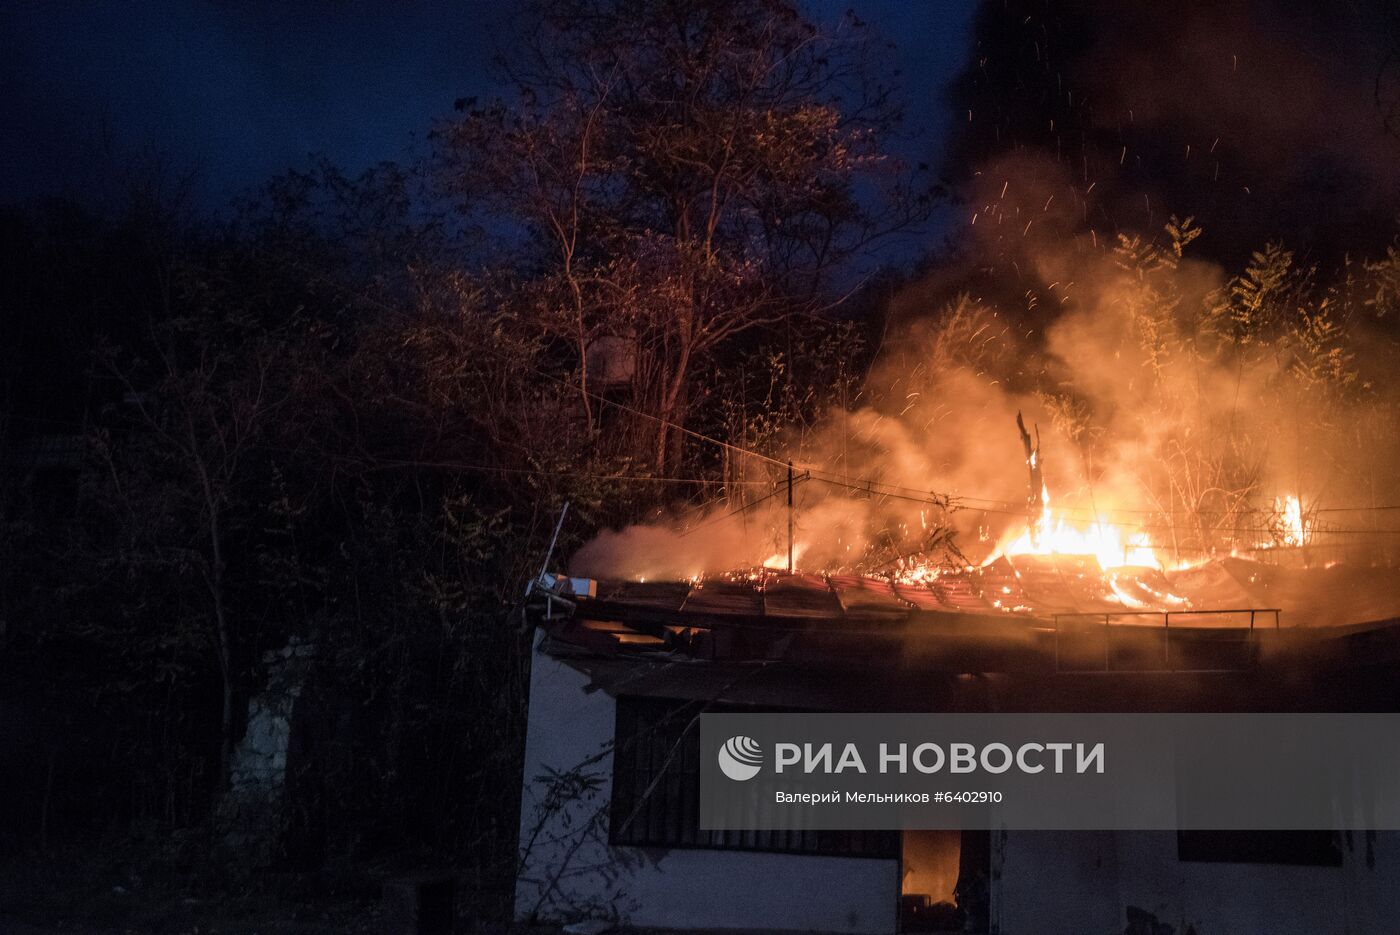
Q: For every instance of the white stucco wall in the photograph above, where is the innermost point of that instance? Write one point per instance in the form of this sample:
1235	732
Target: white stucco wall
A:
1079	883
1053	882
570	872
1044	883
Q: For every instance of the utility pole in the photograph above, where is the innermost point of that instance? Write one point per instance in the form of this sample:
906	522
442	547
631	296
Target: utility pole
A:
789	517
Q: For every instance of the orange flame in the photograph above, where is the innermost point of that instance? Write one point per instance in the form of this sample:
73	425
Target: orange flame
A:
1295	530
1051	534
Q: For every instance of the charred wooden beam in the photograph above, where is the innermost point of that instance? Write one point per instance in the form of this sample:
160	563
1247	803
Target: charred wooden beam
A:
1035	500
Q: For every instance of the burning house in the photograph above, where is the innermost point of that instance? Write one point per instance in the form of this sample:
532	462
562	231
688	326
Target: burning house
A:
621	670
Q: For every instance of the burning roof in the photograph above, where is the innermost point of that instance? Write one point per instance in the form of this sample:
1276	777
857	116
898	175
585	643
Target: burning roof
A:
1018	612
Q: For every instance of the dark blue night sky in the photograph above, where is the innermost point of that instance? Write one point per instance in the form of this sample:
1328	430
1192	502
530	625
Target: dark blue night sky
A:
236	92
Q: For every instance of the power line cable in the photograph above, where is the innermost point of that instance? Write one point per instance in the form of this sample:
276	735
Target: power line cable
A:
867	485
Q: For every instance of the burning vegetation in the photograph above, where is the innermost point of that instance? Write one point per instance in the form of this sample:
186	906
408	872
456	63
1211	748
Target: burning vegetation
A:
1181	396
1189	416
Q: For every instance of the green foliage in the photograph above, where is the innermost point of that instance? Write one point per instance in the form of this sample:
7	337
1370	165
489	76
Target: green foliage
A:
1259	298
1323	359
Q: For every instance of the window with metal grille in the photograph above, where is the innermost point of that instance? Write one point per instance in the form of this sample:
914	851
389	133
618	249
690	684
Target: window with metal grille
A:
656	790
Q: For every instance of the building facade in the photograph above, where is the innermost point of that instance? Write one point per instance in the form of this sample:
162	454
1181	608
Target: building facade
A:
609	825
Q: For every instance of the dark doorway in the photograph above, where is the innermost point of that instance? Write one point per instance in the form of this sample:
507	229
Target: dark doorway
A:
945	881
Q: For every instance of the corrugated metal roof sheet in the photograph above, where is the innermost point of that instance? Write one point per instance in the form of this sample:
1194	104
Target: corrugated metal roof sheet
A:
1016	614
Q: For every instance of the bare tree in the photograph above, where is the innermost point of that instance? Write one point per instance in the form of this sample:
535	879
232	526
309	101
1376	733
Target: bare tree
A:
674	174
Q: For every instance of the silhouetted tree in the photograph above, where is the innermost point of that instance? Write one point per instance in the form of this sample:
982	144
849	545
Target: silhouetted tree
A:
673	174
